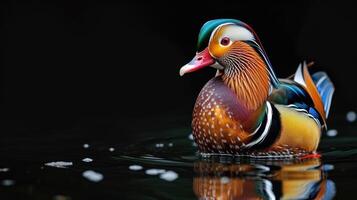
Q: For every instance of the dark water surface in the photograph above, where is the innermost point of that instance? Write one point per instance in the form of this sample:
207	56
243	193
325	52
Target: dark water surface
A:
95	73
162	163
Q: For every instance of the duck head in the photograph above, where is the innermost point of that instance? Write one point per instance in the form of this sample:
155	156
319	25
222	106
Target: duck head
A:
233	48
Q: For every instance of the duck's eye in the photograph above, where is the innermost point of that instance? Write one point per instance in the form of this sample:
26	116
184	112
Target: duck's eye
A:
225	41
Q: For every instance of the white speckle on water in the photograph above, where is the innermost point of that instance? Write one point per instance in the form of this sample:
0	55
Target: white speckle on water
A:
328	167
111	149
154	171
190	137
169	176
224	180
171	144
4	169
159	145
351	116
59	164
135	167
92	175
7	182
332	133
87	160
86	146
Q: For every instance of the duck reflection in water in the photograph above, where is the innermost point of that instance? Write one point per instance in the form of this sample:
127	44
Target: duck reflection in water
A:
244	179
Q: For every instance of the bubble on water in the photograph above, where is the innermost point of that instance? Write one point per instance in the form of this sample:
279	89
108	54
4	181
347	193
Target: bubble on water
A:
92	175
86	146
190	137
169	176
154	171
225	180
159	145
135	167
351	116
331	133
111	149
59	164
4	169
7	182
87	160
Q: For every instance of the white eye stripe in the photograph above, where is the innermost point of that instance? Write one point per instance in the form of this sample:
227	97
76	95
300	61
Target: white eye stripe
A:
234	33
238	33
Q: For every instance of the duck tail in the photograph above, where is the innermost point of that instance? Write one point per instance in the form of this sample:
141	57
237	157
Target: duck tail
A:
326	89
303	77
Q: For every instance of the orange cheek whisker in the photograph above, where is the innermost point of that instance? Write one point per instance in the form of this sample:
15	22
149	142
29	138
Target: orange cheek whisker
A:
246	74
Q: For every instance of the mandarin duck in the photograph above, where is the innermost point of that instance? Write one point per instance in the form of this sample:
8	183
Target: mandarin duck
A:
245	109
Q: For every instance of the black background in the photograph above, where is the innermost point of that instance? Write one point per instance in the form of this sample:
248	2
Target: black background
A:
86	65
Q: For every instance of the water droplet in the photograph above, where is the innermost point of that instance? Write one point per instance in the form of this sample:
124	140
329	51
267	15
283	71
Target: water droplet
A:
92	175
169	176
135	167
159	145
4	169
351	116
111	149
332	133
154	171
7	182
87	160
59	164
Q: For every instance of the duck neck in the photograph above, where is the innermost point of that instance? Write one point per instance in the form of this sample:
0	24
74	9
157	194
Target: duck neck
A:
246	74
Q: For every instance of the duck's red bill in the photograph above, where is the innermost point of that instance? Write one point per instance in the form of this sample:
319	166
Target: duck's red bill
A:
201	60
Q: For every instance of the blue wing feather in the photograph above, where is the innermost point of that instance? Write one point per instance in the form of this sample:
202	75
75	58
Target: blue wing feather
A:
325	87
